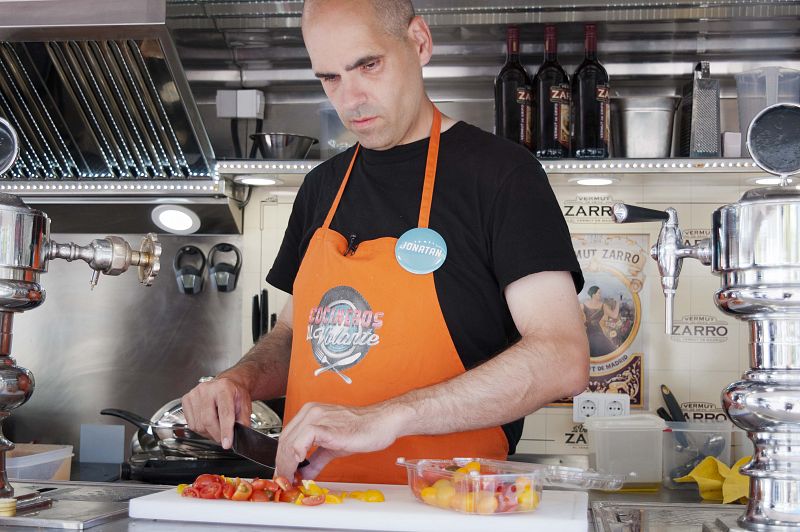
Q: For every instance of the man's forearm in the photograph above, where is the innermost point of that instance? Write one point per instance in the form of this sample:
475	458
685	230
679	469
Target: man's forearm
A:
518	381
264	370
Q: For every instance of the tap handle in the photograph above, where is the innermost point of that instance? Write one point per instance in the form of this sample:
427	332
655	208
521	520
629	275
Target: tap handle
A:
624	213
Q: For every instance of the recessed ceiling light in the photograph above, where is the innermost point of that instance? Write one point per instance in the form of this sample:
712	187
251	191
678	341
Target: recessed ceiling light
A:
257	180
768	181
593	181
175	219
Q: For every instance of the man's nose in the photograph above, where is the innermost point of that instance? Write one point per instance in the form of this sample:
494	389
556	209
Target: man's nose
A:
354	94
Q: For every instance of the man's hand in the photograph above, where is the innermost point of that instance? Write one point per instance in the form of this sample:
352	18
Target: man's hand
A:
335	431
212	407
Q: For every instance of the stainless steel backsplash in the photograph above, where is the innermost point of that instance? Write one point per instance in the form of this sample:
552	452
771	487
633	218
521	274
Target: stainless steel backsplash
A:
122	345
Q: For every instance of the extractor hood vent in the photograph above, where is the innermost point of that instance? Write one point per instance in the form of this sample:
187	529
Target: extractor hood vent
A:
104	99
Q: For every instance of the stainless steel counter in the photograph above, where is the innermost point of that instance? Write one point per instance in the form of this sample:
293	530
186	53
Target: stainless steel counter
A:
665	510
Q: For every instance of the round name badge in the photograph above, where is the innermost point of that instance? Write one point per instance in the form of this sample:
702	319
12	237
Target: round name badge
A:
420	250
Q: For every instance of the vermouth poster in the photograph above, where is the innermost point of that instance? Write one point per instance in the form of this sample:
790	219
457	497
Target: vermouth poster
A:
611	303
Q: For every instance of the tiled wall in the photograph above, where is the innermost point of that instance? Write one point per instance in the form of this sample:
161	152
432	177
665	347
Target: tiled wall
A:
694	369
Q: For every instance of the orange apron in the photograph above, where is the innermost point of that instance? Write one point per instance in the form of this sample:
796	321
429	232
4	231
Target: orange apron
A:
366	330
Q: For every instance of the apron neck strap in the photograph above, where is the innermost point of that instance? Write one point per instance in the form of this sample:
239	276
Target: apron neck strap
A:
430	175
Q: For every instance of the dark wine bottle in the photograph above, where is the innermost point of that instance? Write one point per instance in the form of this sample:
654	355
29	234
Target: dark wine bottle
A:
512	96
551	95
590	104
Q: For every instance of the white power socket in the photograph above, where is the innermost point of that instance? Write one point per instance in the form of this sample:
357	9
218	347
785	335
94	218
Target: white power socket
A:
591	404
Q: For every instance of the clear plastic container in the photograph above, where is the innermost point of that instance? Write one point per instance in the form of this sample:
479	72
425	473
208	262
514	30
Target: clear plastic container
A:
481	486
687	444
760	88
31	461
334	137
630	446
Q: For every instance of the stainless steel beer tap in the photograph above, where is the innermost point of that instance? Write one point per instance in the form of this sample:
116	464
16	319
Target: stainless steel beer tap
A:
755	250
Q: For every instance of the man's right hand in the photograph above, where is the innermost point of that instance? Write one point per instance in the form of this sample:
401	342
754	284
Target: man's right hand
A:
212	407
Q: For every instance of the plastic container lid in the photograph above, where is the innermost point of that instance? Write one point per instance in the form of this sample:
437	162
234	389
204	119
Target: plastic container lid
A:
633	422
549	475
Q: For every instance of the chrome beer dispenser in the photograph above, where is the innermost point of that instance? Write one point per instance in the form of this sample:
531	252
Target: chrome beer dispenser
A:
25	249
755	250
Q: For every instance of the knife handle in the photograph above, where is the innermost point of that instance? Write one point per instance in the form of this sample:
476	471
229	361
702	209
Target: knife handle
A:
675	413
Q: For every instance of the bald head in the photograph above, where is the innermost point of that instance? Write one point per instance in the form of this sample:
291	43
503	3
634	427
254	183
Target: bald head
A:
393	16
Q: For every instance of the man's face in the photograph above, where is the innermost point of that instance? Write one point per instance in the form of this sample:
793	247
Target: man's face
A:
374	80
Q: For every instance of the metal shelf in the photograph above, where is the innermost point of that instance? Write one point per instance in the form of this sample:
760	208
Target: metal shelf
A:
561	172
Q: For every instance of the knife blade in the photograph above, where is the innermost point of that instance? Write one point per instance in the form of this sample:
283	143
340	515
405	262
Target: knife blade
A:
256	446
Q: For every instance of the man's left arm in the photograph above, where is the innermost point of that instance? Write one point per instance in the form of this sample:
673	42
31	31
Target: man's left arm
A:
549	362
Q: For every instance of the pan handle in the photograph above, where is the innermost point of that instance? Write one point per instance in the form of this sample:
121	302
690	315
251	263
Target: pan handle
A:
130	417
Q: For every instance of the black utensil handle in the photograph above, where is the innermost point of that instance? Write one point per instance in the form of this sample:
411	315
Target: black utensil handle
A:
623	213
130	417
273	319
675	413
255	322
663	414
265	328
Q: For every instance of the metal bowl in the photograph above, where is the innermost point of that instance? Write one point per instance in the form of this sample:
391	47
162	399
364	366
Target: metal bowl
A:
283	145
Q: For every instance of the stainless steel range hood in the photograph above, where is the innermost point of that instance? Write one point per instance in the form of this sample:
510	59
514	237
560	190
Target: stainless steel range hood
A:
104	114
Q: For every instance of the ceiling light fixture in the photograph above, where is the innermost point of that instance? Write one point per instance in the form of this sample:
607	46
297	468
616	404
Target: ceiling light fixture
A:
257	180
593	181
175	219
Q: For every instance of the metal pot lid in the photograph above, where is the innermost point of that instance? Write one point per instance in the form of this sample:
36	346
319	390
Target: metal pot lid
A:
9	146
773	139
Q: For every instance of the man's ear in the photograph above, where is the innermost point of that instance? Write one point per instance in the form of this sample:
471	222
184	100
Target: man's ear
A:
420	36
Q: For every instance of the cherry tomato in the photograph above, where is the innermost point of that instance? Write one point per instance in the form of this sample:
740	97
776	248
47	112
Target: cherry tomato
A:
206	478
228	489
283	483
289	495
211	490
313	500
189	491
243	491
261	496
265	484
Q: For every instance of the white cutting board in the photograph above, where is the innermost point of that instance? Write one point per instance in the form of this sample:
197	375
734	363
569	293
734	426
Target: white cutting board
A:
565	511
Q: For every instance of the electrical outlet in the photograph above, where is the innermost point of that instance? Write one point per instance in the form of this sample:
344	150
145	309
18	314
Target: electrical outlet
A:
590	404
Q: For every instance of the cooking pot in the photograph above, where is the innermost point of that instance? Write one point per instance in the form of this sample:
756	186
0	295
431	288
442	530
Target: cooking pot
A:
166	431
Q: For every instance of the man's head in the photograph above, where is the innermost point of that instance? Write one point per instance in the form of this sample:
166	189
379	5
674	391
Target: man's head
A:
369	56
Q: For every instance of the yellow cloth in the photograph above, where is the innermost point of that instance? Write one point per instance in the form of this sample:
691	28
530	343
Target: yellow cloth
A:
718	482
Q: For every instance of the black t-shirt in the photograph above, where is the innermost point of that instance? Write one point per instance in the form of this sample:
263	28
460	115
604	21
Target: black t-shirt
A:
492	203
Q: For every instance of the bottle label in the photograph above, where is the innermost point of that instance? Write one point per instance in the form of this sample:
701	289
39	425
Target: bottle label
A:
560	97
603	98
525	116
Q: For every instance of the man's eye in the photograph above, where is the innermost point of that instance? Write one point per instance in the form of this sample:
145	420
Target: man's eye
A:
370	66
329	79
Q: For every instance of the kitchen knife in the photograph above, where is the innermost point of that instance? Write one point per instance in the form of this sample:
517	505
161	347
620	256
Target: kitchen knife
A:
256	319
675	413
256	446
265	328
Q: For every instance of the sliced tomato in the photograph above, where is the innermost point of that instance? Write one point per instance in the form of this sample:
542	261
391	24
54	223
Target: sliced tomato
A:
243	491
211	490
265	484
261	496
313	500
189	491
207	478
277	495
289	495
228	489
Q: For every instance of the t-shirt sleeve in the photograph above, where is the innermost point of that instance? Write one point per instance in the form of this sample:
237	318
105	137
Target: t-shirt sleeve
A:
527	230
287	262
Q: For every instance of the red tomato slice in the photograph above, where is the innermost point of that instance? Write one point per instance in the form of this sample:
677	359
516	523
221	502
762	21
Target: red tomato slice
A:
289	495
210	490
243	491
277	495
228	489
314	500
265	484
283	483
206	478
261	496
189	491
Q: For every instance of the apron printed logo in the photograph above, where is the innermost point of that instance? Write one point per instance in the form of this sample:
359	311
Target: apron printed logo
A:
341	330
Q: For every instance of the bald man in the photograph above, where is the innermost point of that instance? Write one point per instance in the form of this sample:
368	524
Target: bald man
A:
432	276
